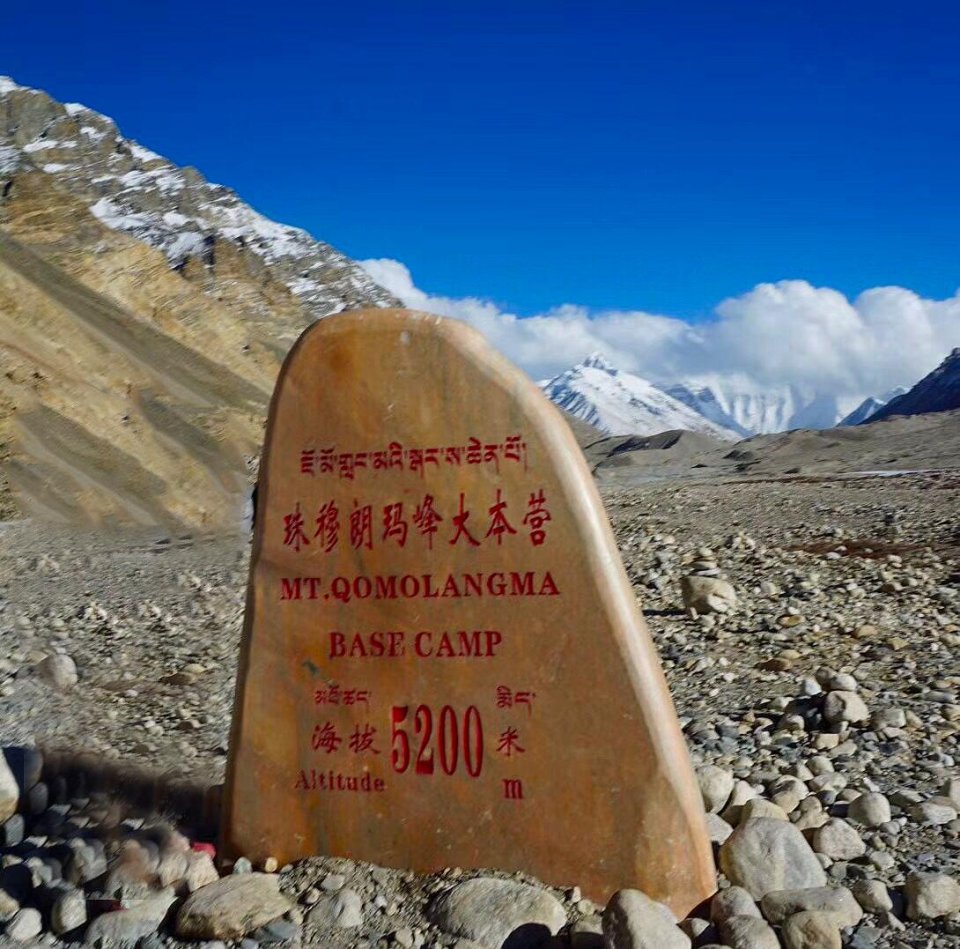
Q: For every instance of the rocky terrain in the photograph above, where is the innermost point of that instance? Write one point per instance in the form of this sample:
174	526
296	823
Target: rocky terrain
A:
816	678
803	590
144	315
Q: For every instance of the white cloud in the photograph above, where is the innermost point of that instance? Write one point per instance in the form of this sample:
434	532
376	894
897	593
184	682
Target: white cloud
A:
785	332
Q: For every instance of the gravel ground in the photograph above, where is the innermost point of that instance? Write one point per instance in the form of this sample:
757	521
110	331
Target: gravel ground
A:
842	586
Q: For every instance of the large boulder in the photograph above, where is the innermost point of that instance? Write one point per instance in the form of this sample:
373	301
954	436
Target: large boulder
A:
765	854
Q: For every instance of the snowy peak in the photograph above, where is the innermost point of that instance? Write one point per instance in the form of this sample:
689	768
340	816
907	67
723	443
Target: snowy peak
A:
870	406
596	360
937	392
744	406
620	403
132	189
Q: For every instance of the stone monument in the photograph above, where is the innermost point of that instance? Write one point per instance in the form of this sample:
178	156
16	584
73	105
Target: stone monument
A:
443	663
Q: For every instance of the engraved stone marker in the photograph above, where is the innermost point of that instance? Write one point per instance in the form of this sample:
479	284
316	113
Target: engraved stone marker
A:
443	663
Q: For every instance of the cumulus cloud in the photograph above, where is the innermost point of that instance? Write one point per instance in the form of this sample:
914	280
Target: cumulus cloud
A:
788	332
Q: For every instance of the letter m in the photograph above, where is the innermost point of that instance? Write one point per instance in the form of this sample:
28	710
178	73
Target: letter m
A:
513	789
289	589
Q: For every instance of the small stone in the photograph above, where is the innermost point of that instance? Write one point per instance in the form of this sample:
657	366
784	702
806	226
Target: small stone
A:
837	840
58	671
716	785
341	910
488	910
126	926
586	933
634	921
9	790
765	854
844	706
933	813
26	925
733	901
87	861
708	595
872	895
9	906
278	931
839	901
811	930
931	895
759	807
697	930
200	871
748	932
12	832
241	865
333	882
951	790
718	829
870	809
232	907
69	912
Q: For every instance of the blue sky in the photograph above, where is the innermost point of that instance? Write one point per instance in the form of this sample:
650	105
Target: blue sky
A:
635	156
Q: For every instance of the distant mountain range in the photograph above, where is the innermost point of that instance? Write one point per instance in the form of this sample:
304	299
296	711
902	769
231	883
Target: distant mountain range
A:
731	407
620	403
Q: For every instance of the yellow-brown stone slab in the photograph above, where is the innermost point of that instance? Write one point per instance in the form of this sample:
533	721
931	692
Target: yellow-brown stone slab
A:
443	663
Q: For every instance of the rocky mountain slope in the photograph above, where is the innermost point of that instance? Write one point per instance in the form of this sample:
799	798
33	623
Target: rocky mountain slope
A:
144	314
621	403
937	392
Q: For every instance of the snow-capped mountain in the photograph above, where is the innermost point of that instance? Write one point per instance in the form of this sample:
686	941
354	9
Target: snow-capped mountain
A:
132	189
621	403
937	392
740	404
870	406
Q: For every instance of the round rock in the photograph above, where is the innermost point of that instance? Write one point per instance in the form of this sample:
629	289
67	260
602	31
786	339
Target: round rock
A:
489	911
843	706
716	785
811	930
839	901
342	909
837	840
931	895
634	921
733	901
765	854
871	810
26	925
748	932
59	671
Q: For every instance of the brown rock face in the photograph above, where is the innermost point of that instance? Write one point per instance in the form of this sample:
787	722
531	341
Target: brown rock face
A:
443	663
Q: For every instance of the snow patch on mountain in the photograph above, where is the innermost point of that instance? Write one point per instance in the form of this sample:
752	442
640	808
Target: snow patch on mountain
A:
738	403
133	189
620	403
871	405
